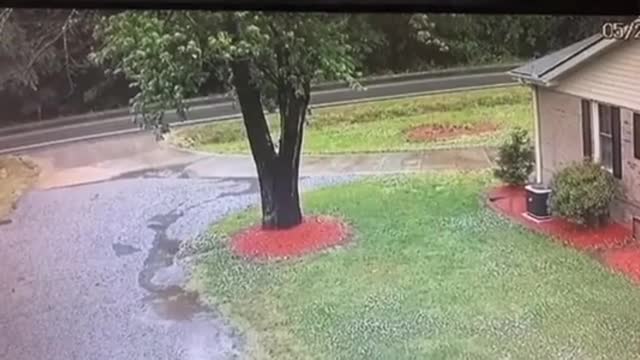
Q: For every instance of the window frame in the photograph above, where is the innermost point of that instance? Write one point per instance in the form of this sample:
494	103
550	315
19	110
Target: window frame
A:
588	146
605	117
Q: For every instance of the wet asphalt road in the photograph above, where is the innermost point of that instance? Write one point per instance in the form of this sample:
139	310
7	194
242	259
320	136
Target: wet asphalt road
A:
11	141
88	272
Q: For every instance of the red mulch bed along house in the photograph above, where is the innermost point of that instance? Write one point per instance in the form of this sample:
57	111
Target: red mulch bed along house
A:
613	240
511	201
313	235
625	260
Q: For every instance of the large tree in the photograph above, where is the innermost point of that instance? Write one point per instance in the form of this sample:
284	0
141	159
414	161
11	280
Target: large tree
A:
270	60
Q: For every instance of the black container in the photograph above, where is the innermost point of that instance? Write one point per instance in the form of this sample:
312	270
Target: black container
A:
538	201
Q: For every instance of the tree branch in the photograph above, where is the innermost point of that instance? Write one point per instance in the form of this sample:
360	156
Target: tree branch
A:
42	49
255	121
4	17
270	74
66	58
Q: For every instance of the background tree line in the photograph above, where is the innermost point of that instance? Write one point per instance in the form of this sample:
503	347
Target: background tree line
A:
45	69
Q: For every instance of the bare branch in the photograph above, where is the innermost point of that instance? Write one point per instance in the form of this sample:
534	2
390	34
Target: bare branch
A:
57	37
66	58
4	17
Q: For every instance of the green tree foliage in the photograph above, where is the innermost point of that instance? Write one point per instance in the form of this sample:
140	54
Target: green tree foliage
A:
271	60
162	62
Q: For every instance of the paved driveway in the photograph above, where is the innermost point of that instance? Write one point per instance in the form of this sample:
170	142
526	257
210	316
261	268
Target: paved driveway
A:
87	272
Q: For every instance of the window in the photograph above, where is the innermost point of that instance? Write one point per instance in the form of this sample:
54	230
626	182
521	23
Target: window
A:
587	137
636	135
606	136
609	136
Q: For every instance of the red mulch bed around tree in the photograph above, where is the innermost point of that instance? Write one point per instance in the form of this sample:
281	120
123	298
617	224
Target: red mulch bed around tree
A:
511	201
432	132
313	235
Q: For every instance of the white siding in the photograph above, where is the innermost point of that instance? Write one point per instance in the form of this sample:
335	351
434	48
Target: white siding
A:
613	78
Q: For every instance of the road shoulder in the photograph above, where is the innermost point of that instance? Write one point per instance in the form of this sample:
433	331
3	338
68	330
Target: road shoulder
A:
18	175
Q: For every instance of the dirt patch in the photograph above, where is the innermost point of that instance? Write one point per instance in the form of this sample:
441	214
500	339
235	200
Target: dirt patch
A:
17	175
435	132
313	235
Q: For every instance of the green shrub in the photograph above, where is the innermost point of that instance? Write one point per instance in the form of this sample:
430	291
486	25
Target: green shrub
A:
582	193
515	158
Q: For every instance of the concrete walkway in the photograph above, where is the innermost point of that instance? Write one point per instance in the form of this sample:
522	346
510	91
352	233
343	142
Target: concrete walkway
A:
354	164
100	160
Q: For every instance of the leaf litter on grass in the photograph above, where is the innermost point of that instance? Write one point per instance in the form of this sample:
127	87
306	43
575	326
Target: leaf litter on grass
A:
17	175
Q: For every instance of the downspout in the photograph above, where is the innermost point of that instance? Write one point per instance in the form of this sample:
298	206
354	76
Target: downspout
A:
537	134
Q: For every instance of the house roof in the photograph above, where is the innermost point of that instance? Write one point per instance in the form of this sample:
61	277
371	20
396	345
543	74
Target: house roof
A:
545	70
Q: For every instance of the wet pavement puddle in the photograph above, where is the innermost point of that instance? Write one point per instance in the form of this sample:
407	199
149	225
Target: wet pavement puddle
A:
182	306
124	249
167	294
168	302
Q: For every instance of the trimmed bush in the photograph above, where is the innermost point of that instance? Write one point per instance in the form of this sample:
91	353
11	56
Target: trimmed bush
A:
582	193
515	158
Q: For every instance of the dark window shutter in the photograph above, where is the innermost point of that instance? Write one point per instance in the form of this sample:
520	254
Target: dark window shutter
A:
617	143
587	136
636	135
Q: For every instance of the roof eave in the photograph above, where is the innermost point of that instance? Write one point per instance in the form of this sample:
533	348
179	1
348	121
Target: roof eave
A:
549	77
527	79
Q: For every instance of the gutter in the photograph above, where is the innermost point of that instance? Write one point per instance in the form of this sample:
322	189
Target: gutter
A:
576	55
537	134
529	80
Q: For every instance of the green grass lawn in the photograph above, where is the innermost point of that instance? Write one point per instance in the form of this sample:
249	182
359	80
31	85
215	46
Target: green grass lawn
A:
430	274
382	126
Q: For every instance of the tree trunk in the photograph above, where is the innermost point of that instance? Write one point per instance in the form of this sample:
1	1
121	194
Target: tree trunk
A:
293	111
278	173
280	200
